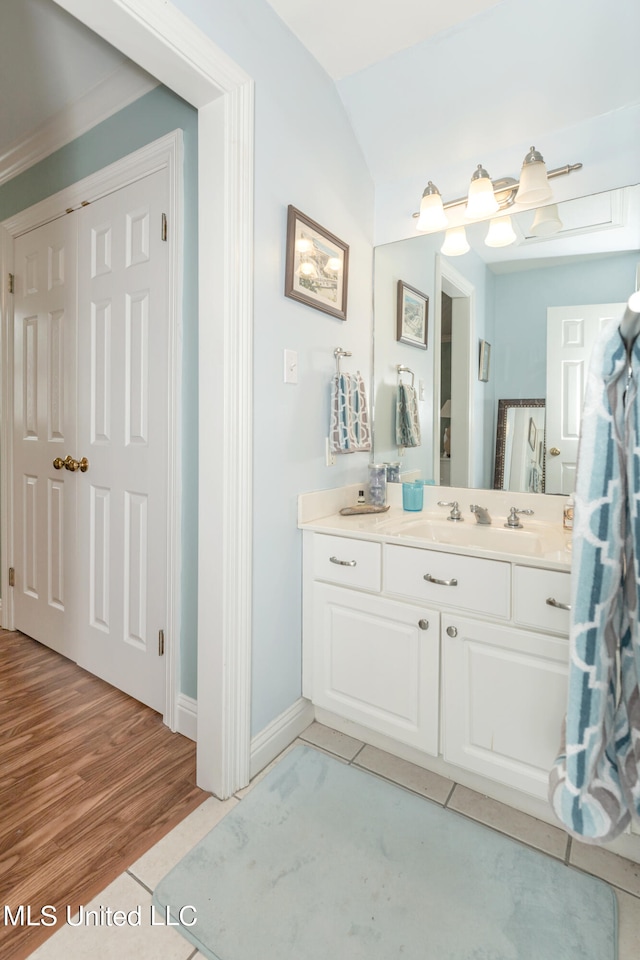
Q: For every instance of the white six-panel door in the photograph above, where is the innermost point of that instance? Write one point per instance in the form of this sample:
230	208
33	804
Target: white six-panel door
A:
571	333
44	427
122	430
91	547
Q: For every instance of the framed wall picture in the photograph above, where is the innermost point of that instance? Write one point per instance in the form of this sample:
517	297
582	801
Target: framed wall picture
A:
485	361
533	433
317	265
412	316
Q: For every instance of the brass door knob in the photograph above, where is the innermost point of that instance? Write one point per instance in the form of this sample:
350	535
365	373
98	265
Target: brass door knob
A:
554	452
71	464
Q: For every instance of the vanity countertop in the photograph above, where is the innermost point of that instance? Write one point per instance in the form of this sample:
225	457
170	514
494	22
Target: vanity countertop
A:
536	543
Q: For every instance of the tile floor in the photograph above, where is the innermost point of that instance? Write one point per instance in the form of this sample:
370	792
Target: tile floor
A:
133	888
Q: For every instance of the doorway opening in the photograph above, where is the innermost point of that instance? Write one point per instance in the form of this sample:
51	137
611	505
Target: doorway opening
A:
453	377
169	46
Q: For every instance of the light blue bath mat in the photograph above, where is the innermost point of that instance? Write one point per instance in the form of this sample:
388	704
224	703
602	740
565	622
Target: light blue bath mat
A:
322	861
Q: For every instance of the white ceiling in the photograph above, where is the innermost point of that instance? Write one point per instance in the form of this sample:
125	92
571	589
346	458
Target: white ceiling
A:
346	36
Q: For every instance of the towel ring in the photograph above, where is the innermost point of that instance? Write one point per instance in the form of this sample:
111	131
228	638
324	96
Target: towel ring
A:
338	354
402	369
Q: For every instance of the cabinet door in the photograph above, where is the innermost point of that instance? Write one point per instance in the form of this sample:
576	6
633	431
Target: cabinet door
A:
376	662
504	698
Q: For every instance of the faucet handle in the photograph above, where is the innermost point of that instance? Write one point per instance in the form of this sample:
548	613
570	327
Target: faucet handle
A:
455	509
512	519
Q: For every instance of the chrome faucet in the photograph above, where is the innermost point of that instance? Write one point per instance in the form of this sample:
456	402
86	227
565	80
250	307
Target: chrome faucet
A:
455	509
482	514
512	520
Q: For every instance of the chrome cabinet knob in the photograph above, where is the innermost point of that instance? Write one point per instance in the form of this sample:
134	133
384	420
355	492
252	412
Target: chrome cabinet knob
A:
423	624
452	632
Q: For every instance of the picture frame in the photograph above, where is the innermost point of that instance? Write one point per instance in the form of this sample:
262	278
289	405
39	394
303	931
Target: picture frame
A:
484	362
412	316
533	433
316	265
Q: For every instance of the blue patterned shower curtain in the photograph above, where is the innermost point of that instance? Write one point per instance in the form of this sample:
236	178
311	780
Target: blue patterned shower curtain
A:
594	786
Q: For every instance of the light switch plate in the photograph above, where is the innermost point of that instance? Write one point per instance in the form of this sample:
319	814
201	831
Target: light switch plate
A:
290	366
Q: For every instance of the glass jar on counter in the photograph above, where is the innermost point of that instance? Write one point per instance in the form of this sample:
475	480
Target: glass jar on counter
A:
378	484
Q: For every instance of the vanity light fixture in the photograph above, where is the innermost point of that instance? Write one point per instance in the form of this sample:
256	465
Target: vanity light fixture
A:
432	215
481	200
546	222
455	242
501	232
534	184
487	196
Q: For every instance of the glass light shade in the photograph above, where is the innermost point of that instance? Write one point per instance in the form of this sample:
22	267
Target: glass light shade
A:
634	302
432	215
333	264
546	221
500	233
534	185
455	242
481	201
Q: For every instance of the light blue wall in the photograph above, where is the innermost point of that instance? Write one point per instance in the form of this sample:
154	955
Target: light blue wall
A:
520	307
306	155
143	121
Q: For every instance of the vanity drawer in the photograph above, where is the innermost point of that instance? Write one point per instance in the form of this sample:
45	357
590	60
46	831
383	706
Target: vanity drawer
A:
351	563
482	586
532	589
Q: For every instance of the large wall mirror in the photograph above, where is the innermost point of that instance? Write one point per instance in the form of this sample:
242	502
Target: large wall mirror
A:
533	308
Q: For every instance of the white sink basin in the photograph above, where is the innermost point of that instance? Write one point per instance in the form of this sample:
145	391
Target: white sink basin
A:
531	541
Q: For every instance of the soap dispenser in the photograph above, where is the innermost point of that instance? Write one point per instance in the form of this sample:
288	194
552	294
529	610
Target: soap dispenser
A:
567	515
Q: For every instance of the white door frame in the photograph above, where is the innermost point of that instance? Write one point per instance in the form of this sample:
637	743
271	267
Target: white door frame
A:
169	46
451	282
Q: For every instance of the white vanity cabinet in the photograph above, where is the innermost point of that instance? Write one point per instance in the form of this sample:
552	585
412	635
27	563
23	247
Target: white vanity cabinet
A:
463	657
504	697
376	662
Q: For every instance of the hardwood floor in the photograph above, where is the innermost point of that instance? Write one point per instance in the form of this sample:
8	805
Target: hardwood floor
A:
89	780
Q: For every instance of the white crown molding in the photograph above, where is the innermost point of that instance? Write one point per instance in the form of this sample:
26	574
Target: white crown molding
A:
117	91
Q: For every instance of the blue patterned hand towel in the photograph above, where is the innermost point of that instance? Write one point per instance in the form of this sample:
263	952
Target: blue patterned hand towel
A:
349	431
594	786
407	418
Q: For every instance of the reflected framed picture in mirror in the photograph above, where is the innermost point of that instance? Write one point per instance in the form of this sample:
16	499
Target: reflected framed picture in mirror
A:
413	316
484	362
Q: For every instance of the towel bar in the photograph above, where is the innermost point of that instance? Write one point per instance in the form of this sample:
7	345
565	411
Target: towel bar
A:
402	369
338	354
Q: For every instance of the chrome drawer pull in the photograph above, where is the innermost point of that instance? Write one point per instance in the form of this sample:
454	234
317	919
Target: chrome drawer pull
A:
342	563
556	603
443	583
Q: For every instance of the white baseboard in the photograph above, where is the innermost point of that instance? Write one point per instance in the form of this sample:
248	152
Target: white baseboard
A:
187	716
282	731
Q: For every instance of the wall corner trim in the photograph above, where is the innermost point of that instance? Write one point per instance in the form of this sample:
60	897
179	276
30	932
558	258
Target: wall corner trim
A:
277	735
